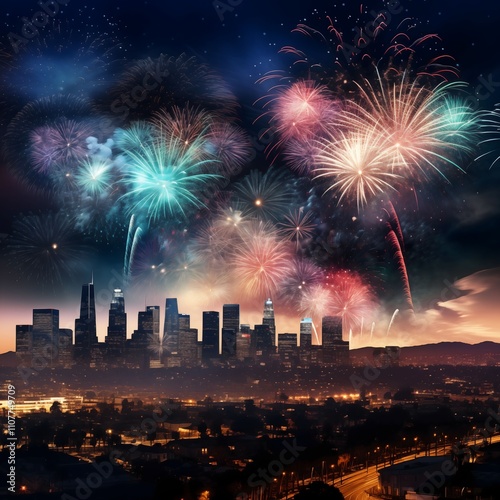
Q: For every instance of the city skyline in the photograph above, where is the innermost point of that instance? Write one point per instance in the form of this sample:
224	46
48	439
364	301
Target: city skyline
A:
228	318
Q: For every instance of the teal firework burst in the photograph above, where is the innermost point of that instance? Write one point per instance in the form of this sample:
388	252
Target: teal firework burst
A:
164	178
94	176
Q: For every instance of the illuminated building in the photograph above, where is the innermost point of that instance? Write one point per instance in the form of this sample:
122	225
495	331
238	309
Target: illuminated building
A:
171	326
85	325
45	339
210	335
268	319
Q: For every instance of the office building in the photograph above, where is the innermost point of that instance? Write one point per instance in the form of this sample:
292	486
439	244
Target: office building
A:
171	326
45	336
335	350
210	335
117	325
268	319
85	325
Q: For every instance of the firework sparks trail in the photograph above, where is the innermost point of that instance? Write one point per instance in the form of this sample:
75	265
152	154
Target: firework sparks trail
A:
398	255
395	313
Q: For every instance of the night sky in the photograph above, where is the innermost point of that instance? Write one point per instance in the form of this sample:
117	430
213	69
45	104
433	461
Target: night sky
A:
57	228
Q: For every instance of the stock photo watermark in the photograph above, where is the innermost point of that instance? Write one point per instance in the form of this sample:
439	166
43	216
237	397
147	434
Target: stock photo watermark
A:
39	20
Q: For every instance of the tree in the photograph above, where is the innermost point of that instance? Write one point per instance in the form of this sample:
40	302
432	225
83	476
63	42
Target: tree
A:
55	409
61	439
126	407
202	429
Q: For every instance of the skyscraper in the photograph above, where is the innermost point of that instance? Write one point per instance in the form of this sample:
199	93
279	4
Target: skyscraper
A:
231	316
188	339
171	326
230	327
287	347
142	342
243	345
305	340
268	319
263	340
331	330
45	337
117	324
24	340
210	338
155	311
85	325
335	350
65	347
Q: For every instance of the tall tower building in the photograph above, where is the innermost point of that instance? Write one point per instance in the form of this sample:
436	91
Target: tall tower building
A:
65	347
142	338
263	340
243	345
117	324
171	326
231	316
45	339
155	311
210	338
335	350
85	325
24	340
287	347
268	319
188	341
230	327
331	330
305	340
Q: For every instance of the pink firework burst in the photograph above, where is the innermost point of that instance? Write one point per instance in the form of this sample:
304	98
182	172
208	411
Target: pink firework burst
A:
301	110
260	264
316	302
352	298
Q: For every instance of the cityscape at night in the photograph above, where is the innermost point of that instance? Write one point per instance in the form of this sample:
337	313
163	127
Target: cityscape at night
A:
249	250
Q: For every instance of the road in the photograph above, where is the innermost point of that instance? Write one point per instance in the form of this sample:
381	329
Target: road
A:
355	485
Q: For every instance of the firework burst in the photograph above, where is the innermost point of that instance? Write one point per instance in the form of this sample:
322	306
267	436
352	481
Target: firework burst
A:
163	179
171	81
421	128
260	263
94	176
298	226
230	145
57	119
184	125
302	278
63	144
135	137
301	110
316	302
46	248
265	195
357	162
352	298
